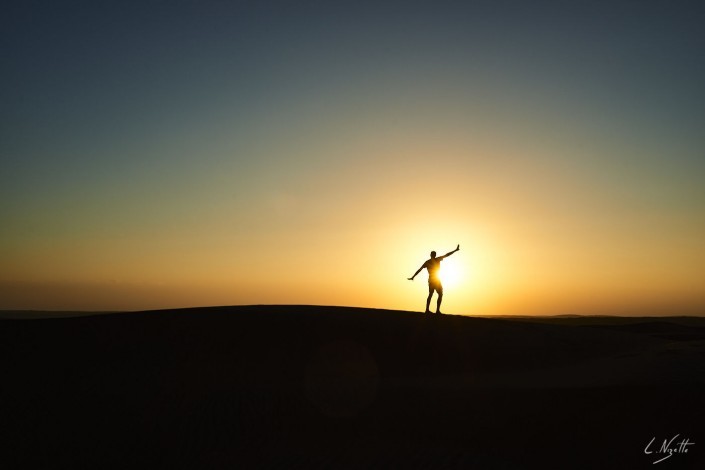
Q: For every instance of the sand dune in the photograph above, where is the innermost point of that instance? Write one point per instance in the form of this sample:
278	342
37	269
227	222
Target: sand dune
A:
310	386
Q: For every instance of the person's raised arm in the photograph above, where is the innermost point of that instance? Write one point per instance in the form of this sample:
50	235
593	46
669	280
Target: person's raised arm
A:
451	252
417	271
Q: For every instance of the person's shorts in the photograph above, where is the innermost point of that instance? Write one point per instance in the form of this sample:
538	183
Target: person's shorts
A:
435	284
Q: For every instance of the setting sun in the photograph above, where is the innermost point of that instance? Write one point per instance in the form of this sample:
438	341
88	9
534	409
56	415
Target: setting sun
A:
451	273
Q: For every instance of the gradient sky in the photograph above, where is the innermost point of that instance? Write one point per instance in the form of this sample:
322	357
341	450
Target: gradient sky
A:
179	153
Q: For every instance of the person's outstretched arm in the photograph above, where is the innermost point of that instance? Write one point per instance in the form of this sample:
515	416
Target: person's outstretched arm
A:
451	252
417	271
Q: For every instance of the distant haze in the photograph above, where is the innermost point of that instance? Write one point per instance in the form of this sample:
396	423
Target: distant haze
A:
166	154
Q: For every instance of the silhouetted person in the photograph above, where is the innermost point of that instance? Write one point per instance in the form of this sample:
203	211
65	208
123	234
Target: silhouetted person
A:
433	266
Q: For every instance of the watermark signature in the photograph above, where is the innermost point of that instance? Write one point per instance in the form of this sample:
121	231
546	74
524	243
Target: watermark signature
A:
668	448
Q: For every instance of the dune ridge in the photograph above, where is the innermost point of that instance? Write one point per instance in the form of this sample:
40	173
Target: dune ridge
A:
344	386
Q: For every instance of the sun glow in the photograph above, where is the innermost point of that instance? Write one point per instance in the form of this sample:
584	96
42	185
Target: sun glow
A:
451	273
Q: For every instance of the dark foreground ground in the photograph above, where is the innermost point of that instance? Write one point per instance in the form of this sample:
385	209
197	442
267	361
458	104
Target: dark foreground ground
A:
309	387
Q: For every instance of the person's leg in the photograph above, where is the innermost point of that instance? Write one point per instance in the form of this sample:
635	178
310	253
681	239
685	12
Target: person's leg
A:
440	299
428	299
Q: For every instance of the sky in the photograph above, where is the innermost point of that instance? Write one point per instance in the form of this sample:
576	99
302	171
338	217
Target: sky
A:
159	154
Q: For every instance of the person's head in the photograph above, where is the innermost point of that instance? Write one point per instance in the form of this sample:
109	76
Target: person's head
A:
433	254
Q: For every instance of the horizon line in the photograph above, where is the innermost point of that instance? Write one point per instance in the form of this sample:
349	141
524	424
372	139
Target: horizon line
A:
111	311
